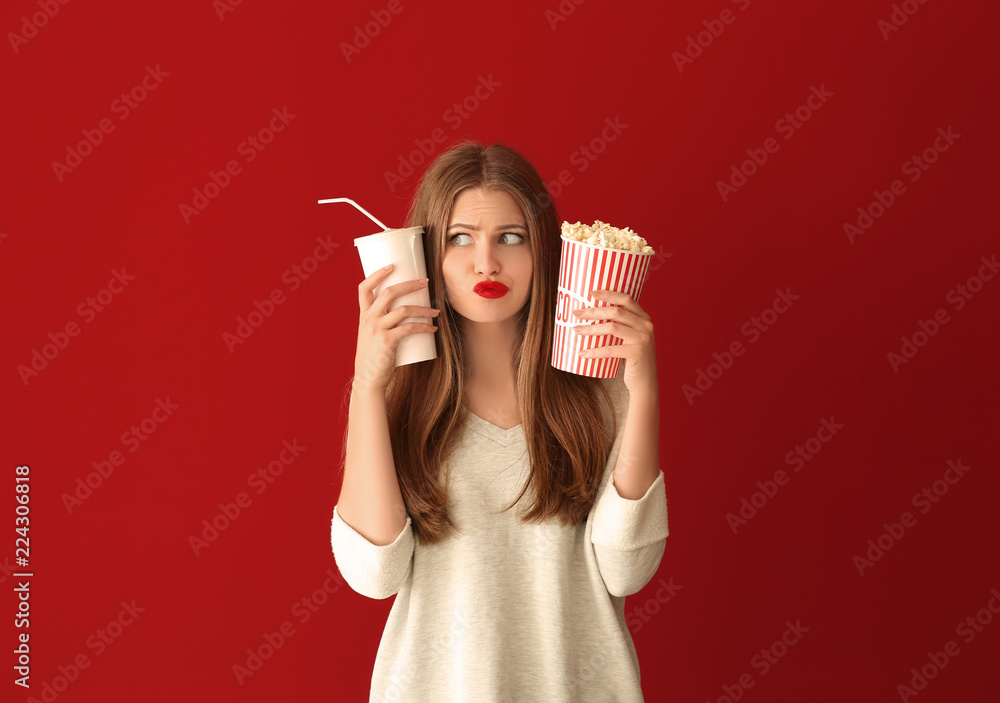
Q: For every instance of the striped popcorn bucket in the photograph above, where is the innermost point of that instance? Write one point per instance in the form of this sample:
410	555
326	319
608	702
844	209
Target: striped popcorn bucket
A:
583	268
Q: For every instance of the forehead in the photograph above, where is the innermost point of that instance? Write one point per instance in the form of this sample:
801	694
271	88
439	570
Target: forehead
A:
473	203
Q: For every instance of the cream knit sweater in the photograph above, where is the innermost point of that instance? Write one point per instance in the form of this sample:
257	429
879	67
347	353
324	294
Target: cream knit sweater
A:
503	610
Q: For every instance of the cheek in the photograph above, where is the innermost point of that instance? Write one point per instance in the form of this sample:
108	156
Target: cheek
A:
447	278
527	270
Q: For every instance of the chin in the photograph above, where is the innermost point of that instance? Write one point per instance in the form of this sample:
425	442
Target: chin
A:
496	317
489	309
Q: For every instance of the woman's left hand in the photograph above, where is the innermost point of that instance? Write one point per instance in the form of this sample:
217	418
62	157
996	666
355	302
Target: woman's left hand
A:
629	322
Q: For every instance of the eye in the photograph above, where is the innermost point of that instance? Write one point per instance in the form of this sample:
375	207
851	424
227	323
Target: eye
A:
519	238
460	234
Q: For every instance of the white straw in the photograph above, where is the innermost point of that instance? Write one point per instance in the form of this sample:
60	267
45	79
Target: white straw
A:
348	200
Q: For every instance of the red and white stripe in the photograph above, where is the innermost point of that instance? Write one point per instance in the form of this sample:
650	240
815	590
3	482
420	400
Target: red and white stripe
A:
583	268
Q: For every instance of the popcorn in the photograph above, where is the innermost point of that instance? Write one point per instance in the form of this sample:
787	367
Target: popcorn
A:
601	234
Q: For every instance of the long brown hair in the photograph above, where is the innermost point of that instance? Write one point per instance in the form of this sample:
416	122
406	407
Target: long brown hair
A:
560	412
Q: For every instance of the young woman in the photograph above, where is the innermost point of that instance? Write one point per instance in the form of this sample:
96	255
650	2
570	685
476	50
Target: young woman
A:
510	506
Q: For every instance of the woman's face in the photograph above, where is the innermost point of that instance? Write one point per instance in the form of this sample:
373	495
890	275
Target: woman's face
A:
486	240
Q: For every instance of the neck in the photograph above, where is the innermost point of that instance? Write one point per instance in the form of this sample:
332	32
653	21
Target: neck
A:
489	351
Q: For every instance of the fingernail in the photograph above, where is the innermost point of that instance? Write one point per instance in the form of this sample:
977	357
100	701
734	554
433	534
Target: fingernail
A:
386	268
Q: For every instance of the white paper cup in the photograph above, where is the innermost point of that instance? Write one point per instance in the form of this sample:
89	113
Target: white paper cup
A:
405	249
583	268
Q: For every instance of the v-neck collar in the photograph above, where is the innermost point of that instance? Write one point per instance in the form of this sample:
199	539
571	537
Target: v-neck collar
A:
495	432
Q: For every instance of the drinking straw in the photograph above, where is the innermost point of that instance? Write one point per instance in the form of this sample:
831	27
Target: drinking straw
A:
348	200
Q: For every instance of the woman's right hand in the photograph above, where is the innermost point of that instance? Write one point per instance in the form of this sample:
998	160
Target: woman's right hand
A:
377	331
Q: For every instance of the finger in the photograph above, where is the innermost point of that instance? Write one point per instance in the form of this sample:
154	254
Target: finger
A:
389	293
394	317
398	289
398	333
614	329
367	286
623	300
615	312
623	351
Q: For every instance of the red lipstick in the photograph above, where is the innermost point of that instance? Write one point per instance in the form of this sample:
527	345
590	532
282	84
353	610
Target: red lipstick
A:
490	289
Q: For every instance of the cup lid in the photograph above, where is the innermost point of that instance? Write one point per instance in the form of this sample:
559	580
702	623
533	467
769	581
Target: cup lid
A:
389	233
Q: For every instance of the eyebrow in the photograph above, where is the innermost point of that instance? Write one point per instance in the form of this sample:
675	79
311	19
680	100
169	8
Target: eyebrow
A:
458	224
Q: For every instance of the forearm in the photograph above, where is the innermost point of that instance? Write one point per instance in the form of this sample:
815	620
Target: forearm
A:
639	456
370	501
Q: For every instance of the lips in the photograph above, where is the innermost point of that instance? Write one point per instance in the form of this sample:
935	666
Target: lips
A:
490	289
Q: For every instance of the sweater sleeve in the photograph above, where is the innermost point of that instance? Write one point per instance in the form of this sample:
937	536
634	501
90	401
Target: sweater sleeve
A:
629	536
375	571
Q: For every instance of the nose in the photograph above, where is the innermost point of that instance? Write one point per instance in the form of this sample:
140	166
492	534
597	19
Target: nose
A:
487	262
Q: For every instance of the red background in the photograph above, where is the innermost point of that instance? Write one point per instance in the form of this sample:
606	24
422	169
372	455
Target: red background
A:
162	336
